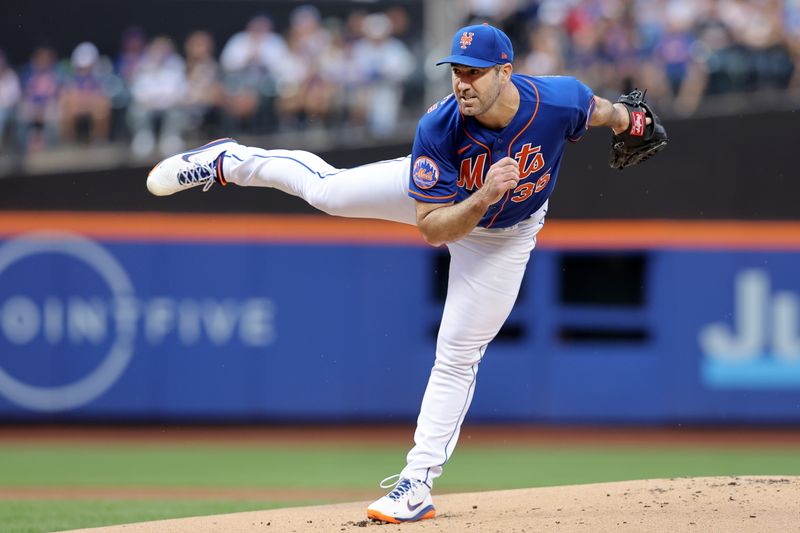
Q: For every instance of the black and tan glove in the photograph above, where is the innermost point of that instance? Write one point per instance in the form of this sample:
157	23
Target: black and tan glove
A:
641	140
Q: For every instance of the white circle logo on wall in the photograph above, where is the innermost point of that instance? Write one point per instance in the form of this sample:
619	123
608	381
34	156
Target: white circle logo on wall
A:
113	364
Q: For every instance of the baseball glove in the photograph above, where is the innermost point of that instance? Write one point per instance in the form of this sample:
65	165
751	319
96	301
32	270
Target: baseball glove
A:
641	140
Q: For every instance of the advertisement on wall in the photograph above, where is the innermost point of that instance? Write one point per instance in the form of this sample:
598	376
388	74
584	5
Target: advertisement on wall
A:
71	321
142	330
733	335
201	330
758	347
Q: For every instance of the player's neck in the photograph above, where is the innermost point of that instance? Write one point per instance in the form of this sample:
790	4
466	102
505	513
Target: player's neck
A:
502	112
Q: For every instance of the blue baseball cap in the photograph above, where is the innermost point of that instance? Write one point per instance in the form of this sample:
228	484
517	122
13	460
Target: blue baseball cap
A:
480	46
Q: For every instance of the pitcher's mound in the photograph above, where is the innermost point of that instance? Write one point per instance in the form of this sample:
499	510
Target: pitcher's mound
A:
738	504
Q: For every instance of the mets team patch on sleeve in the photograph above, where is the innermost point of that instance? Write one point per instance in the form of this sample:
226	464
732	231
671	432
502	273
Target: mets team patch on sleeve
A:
425	172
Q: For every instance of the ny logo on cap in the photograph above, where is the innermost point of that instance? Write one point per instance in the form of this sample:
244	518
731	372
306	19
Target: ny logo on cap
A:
466	39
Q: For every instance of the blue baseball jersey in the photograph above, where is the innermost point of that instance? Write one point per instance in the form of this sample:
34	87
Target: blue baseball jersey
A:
452	153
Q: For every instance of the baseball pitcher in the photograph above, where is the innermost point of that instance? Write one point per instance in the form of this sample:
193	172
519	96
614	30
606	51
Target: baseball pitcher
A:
484	163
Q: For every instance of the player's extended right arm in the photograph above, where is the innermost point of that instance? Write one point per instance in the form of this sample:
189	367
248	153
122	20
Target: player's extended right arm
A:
443	223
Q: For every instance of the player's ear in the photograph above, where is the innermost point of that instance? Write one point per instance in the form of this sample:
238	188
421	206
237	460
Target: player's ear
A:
505	72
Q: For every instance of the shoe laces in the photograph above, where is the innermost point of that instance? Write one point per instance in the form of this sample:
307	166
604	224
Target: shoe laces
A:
201	173
390	481
401	486
198	173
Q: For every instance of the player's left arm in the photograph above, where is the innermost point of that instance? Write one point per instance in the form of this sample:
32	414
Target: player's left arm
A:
614	116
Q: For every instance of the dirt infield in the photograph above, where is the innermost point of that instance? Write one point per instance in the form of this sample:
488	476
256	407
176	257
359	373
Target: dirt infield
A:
741	504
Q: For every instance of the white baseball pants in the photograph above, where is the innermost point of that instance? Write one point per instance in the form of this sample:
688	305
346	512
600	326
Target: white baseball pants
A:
376	190
486	270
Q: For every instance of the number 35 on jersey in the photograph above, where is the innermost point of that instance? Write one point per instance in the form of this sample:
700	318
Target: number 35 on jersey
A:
531	160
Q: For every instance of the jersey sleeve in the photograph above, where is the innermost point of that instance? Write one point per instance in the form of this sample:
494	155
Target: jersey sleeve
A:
584	107
433	174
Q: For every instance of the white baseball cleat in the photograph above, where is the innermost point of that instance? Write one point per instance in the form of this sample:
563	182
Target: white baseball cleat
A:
200	166
410	500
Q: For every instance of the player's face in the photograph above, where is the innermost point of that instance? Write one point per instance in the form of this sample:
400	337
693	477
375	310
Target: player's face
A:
476	89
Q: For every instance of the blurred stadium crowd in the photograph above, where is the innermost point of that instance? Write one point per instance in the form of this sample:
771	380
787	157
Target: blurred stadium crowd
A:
155	92
682	51
157	95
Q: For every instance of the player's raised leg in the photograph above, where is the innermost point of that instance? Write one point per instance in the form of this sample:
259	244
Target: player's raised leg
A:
375	190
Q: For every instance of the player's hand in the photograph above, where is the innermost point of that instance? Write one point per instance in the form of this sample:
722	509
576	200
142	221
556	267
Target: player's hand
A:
502	177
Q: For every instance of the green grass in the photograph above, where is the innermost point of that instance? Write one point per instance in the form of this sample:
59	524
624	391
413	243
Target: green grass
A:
354	467
517	468
196	466
24	516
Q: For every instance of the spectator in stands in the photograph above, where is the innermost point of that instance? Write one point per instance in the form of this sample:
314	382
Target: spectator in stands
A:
83	100
306	35
496	11
251	61
132	47
764	35
306	92
384	63
133	44
673	51
354	26
398	15
546	56
10	93
38	112
158	87
585	60
257	48
792	32
203	83
669	65
620	48
327	96
354	71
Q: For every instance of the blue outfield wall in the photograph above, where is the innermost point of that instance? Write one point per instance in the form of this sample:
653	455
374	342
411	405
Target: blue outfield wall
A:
94	329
